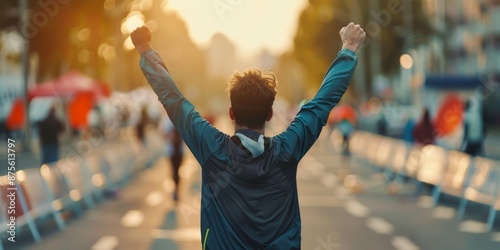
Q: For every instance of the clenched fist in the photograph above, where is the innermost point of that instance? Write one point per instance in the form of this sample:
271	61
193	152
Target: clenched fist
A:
352	36
141	38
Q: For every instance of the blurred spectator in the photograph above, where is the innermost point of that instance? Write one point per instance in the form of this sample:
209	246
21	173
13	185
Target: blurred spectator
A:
95	118
95	127
473	130
424	132
49	130
382	125
4	130
154	114
408	130
124	116
142	124
174	151
346	129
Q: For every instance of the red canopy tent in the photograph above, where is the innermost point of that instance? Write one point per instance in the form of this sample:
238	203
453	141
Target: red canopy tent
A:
69	84
78	90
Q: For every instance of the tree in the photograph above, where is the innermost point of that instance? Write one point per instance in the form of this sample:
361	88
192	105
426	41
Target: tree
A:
68	34
69	37
54	33
8	16
316	42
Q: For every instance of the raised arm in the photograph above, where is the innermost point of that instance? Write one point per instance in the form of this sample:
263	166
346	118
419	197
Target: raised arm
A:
201	138
308	123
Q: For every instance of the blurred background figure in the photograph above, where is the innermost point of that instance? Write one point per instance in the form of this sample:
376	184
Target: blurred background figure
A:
473	129
408	130
424	133
382	124
4	130
95	118
94	127
142	124
49	130
346	129
174	151
344	117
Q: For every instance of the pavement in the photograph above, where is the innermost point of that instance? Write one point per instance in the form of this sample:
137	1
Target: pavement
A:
344	205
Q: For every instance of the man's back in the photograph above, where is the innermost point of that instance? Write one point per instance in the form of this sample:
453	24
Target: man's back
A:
256	195
249	193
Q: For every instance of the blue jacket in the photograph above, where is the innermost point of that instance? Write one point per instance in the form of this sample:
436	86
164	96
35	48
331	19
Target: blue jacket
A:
249	188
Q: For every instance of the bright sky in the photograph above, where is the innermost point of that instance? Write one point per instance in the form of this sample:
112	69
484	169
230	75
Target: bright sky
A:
250	24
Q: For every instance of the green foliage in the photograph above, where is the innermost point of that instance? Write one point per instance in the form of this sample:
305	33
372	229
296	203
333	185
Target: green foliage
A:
53	33
8	15
55	41
317	41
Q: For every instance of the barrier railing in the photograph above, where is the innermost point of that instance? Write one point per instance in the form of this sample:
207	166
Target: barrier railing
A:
451	172
76	183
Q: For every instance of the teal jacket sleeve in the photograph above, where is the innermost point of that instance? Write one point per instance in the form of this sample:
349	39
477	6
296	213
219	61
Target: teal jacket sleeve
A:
298	138
199	135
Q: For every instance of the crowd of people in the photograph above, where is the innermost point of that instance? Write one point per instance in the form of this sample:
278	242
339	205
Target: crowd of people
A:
468	125
424	132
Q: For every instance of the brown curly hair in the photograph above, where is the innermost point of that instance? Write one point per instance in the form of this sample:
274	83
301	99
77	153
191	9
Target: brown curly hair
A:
252	94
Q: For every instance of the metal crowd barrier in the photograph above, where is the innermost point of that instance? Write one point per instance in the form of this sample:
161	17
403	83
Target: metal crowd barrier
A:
75	183
451	172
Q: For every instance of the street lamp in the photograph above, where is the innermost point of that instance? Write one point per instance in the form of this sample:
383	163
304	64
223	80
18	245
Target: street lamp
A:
406	61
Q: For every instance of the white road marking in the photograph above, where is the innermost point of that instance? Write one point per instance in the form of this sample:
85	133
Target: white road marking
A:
379	225
319	201
471	226
379	177
355	208
329	180
315	168
132	218
403	243
495	236
106	243
425	201
343	192
181	234
441	212
352	181
155	198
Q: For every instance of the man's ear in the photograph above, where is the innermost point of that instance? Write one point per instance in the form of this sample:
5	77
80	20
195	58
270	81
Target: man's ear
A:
270	115
231	114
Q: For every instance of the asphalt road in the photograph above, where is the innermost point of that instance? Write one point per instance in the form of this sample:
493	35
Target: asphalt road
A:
354	212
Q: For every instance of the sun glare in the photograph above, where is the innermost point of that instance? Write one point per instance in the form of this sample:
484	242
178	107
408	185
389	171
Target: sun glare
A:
127	44
251	25
134	20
